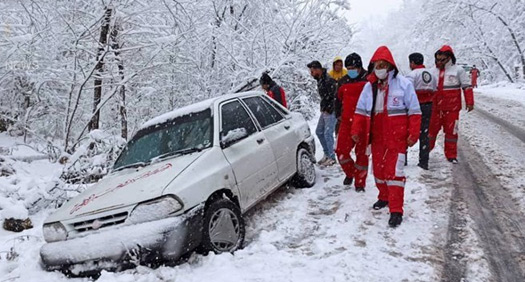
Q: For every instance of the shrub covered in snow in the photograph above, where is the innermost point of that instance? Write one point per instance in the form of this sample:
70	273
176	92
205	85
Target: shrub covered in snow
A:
93	158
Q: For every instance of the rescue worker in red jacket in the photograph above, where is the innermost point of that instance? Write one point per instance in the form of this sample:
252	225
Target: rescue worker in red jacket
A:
273	90
389	115
425	84
474	73
447	101
349	89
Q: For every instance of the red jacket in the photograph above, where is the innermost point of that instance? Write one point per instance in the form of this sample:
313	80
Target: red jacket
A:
451	80
348	94
400	119
276	92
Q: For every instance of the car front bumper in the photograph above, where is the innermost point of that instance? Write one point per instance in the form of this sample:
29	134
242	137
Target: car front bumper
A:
114	248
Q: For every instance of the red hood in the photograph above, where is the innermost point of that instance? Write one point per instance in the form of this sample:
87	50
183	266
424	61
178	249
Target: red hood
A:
447	49
382	53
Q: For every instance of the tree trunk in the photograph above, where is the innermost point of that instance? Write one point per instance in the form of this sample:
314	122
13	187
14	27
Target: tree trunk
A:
122	93
97	95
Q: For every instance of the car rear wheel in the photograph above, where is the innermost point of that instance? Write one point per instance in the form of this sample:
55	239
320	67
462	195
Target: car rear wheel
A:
305	175
223	227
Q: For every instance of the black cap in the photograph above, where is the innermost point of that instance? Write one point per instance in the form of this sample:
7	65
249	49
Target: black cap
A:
416	58
315	65
265	79
353	60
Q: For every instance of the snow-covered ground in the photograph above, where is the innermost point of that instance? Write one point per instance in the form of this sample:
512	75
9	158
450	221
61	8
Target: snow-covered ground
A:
503	152
325	233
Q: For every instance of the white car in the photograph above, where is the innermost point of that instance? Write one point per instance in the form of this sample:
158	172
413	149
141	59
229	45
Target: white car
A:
182	182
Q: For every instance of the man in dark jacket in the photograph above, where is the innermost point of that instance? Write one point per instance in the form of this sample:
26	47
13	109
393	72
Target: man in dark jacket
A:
273	90
327	88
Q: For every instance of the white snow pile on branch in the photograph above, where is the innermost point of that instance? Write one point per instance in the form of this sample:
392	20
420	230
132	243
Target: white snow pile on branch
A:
93	158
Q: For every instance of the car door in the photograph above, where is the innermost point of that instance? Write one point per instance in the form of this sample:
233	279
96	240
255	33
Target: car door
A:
249	153
277	129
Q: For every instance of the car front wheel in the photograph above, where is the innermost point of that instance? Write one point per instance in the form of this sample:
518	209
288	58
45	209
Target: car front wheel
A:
223	229
305	175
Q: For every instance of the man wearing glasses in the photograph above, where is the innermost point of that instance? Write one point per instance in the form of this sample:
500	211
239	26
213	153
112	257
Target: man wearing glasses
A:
447	102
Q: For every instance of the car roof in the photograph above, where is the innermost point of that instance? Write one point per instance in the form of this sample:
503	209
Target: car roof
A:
196	107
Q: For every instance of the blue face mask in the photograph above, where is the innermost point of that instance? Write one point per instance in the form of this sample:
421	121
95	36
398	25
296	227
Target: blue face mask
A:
353	73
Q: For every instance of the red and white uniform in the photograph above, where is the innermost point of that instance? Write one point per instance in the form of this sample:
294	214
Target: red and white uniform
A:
447	104
474	72
348	94
395	118
425	83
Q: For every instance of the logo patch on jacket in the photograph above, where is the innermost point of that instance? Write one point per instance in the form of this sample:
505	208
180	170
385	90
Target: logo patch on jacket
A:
452	80
395	101
427	77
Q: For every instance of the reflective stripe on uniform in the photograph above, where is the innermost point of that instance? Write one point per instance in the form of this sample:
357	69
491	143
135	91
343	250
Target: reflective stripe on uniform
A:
363	112
397	112
360	167
395	183
344	161
449	87
453	140
380	181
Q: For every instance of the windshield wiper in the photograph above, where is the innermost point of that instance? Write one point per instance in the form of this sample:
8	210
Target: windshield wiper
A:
178	152
133	165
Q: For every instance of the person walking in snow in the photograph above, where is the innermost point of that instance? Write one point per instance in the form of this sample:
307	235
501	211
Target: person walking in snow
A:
474	73
273	90
326	87
338	71
389	116
447	101
349	90
425	84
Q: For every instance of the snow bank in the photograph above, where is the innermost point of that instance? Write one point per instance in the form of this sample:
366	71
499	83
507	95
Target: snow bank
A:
505	90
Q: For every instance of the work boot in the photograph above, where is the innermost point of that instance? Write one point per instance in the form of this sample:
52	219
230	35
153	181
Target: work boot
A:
329	162
423	166
360	189
395	219
348	181
453	160
323	160
380	204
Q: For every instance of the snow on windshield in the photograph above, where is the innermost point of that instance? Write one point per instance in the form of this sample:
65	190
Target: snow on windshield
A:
194	108
182	133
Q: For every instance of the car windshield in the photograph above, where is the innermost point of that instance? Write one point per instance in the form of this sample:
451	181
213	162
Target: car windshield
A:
181	135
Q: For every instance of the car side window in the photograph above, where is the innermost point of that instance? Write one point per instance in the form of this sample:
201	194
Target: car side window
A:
235	120
264	112
276	105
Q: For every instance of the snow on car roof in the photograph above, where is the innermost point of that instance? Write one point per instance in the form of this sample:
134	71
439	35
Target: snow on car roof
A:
193	108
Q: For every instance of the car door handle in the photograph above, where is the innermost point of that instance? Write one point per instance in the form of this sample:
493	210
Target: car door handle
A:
260	140
286	126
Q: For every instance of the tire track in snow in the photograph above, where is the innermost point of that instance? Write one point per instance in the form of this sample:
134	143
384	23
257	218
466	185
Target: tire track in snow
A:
509	127
497	218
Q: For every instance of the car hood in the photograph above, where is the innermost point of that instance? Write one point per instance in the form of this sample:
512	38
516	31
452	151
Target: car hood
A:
124	188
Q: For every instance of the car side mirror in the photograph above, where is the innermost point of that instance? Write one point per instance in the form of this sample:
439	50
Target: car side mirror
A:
232	137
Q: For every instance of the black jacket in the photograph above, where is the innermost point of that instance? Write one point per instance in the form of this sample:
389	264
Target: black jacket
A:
327	88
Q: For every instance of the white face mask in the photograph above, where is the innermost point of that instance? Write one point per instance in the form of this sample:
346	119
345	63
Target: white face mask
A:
381	74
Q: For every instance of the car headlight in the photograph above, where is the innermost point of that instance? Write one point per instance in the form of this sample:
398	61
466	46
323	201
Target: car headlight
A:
155	209
54	232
